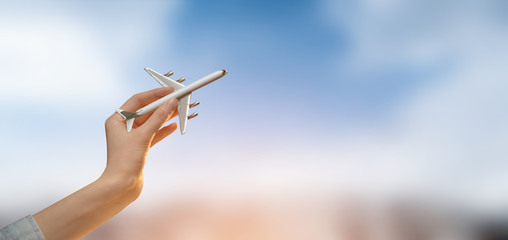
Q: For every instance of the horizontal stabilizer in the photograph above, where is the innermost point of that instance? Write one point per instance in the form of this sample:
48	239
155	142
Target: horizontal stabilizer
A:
125	114
129	117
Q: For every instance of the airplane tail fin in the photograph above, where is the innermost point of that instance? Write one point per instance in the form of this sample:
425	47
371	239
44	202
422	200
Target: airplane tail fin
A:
129	118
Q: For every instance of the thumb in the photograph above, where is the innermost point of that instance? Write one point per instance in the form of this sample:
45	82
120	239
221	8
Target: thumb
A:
160	116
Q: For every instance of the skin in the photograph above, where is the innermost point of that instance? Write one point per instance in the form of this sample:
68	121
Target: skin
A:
122	180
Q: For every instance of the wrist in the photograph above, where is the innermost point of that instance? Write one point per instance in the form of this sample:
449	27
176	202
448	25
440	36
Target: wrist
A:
129	185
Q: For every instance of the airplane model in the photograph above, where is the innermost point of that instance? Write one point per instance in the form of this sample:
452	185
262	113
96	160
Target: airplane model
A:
181	93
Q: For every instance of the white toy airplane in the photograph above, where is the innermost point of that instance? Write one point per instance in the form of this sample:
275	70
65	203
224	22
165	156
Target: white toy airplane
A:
181	93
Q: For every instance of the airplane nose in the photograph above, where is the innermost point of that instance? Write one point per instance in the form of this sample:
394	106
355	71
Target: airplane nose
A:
224	72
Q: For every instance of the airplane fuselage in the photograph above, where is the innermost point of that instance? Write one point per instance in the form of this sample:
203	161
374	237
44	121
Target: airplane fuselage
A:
183	91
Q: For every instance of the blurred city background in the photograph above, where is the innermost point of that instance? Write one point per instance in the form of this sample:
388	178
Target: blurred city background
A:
339	119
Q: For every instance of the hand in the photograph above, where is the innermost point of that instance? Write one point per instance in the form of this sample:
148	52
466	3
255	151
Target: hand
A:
83	211
127	151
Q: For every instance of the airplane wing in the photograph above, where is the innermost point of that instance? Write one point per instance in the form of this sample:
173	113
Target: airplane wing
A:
183	103
163	80
183	111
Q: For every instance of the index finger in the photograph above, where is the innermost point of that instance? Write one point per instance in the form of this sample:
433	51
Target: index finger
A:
140	100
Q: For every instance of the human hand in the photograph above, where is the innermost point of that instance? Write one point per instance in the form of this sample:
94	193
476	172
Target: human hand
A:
83	211
127	151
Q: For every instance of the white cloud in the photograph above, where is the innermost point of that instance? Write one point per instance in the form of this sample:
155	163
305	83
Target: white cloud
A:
53	60
73	53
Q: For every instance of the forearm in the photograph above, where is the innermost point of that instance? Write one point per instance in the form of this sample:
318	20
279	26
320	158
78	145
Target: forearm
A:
83	211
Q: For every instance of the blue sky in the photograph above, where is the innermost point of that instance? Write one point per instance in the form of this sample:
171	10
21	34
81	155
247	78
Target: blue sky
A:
406	94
